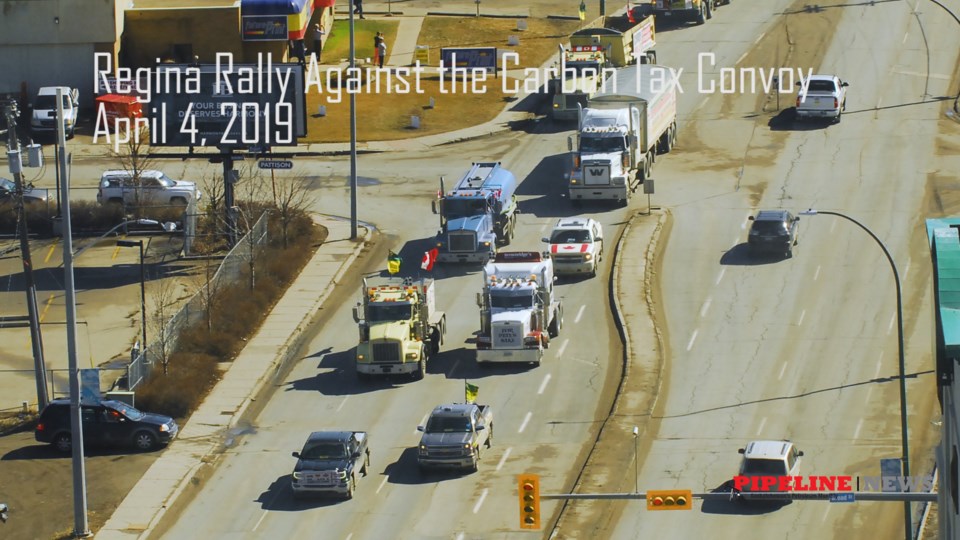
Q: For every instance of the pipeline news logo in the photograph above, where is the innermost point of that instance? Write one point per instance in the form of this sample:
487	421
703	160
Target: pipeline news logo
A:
834	483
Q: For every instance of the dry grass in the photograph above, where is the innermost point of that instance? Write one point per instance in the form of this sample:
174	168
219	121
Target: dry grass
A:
537	43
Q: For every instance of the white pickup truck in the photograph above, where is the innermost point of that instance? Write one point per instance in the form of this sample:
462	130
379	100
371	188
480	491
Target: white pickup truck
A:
822	96
44	118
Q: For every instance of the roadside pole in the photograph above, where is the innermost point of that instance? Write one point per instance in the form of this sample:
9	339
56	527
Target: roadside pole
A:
353	133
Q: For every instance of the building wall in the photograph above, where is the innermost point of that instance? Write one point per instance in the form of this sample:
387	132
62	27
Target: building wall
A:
51	42
179	34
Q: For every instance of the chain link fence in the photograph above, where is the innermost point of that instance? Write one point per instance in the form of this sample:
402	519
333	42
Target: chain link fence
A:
232	268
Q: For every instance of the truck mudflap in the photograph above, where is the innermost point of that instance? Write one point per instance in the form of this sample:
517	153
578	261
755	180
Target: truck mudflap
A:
490	356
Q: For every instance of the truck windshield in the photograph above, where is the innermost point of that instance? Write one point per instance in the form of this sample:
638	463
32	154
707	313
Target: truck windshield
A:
821	86
454	208
570	237
602	145
441	424
511	300
393	311
49	102
581	69
324	450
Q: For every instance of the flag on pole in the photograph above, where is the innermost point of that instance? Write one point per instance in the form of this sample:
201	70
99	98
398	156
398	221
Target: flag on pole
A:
393	263
429	257
583	11
470	391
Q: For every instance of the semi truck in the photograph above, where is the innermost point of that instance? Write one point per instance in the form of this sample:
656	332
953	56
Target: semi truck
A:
400	326
624	41
623	127
453	436
519	309
697	11
477	215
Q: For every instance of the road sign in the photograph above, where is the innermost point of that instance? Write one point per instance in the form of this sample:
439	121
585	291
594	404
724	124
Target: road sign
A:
843	497
275	164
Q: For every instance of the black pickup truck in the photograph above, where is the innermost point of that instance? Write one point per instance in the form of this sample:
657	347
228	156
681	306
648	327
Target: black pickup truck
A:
331	462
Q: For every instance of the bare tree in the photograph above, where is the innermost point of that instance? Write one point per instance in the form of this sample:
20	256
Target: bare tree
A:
293	197
134	158
213	189
163	296
207	288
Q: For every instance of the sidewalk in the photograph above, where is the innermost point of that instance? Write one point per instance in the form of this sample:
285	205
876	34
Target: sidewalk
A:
278	338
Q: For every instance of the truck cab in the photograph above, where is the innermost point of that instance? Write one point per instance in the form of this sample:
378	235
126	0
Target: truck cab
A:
769	458
44	116
576	246
330	463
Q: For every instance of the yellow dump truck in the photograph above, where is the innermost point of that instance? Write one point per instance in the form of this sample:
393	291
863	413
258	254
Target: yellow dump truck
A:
400	327
697	11
624	41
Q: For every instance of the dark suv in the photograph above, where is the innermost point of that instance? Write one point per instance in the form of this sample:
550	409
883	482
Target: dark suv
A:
107	423
773	231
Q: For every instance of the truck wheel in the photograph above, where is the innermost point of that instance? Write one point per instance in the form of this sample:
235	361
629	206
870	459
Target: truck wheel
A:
476	460
63	443
421	367
490	436
701	18
434	341
554	329
366	464
710	9
351	487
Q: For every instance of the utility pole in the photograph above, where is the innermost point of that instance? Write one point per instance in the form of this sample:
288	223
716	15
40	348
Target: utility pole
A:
353	131
16	163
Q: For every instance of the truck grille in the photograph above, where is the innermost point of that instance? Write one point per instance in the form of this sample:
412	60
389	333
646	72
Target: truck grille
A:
507	335
445	451
462	241
569	259
386	352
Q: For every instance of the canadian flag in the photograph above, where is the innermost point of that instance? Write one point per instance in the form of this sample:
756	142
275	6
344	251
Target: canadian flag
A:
429	257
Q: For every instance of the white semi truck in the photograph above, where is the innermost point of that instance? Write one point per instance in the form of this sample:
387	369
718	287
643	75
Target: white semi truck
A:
519	308
623	127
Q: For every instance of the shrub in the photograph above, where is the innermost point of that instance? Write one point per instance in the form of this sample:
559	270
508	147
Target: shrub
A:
189	377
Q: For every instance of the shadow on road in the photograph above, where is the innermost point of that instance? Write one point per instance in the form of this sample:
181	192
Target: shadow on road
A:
406	471
279	498
338	377
786	120
737	506
741	255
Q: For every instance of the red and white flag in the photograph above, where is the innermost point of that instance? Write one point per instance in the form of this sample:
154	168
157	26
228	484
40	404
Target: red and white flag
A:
429	257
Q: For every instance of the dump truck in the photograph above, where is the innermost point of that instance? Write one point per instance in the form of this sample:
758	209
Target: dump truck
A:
477	215
623	41
453	436
400	326
624	126
519	309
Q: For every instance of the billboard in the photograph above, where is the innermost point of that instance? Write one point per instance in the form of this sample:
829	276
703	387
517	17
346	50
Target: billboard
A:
264	28
228	105
468	58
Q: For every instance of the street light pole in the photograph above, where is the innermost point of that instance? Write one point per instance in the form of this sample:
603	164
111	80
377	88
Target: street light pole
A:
904	441
143	293
353	132
636	453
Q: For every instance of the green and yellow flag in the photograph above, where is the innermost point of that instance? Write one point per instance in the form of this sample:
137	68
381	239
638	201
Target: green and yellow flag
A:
470	391
583	11
393	263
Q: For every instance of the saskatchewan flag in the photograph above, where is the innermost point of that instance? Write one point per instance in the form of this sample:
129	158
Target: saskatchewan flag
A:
393	263
583	11
470	391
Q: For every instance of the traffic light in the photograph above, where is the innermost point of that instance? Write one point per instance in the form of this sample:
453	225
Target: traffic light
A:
669	499
528	488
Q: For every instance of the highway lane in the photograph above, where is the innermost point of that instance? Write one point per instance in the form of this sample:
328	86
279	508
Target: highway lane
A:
801	348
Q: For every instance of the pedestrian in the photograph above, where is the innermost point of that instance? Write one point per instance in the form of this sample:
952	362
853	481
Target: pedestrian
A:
377	38
317	40
298	50
358	7
382	51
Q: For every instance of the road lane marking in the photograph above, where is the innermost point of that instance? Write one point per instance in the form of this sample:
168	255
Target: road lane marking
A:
460	536
526	419
382	483
906	270
563	347
706	307
46	307
50	253
742	56
476	507
879	364
423	421
453	368
735	243
543	385
940	76
856	432
349	536
879	101
905	34
893	319
722	271
700	105
259	521
759	38
817	273
544	227
503	460
342	403
833	224
802	314
825	512
692	339
783	369
762	422
116	250
579	314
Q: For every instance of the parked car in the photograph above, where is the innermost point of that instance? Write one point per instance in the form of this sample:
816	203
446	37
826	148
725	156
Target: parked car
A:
768	458
107	423
8	189
154	187
330	462
825	96
576	246
773	231
44	118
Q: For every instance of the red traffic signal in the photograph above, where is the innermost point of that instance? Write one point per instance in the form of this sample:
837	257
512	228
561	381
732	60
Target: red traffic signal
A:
669	499
528	492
